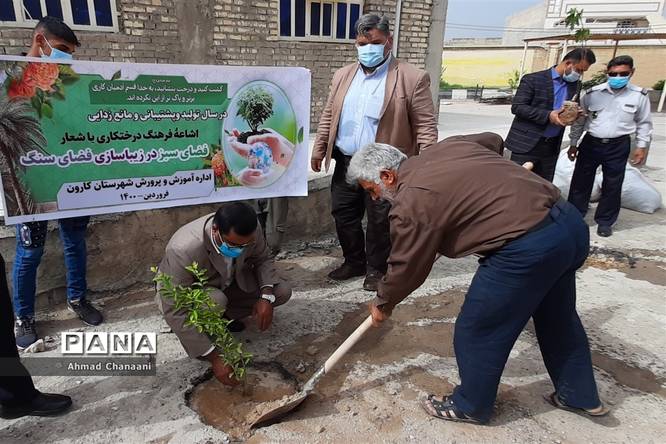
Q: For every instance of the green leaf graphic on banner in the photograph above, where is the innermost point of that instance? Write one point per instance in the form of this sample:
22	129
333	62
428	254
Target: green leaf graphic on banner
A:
300	135
47	110
115	75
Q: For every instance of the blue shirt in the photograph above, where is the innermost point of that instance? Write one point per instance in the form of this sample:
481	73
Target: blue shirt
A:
559	96
361	109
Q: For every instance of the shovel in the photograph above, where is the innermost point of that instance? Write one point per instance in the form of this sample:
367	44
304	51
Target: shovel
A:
295	400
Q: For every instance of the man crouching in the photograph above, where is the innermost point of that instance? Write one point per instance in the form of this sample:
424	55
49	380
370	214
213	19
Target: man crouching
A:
460	198
241	277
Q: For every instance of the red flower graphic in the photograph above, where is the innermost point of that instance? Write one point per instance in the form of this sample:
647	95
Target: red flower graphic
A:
20	89
41	75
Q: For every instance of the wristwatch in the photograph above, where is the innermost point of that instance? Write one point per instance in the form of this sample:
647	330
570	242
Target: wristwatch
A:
269	297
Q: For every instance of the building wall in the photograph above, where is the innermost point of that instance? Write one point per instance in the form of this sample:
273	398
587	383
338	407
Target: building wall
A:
533	17
469	66
231	32
490	67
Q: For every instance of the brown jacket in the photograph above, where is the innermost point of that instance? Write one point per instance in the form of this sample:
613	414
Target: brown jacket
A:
456	199
191	243
407	119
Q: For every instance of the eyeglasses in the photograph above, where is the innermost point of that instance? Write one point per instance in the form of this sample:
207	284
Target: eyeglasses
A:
621	74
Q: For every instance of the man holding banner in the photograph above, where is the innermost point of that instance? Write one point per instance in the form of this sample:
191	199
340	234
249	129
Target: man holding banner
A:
53	39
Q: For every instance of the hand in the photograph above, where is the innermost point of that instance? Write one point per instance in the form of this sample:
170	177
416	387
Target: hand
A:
639	156
554	118
263	312
572	153
378	315
251	177
581	113
221	370
316	165
528	166
283	150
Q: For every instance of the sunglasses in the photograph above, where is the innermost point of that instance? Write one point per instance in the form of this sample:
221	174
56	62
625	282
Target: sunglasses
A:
621	74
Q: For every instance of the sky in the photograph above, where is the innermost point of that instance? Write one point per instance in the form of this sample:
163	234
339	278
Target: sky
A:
481	13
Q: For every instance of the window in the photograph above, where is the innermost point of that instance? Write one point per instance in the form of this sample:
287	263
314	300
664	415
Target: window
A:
95	15
319	20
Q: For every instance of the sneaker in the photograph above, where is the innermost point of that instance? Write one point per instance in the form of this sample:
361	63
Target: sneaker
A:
604	231
26	333
346	271
85	311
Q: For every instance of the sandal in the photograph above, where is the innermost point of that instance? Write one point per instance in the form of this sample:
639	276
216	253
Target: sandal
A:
445	409
554	400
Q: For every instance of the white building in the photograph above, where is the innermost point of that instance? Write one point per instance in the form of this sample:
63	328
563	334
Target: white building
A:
601	16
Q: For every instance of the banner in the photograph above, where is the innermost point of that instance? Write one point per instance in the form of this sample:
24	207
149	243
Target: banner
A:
116	137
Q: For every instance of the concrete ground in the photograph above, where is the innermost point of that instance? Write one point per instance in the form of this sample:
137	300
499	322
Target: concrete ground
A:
373	395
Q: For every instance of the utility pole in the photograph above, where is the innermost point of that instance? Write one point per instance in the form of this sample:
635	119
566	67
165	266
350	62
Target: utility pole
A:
435	47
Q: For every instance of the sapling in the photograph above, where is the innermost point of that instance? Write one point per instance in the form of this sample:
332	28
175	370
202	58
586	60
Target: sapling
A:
205	315
255	106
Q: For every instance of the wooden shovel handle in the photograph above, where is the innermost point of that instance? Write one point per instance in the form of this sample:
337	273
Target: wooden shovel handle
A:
349	343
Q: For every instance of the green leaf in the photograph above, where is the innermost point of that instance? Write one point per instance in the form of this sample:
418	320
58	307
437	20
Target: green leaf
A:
116	75
69	80
300	135
67	71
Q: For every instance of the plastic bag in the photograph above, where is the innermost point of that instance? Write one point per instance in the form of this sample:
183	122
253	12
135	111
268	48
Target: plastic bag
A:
638	193
563	173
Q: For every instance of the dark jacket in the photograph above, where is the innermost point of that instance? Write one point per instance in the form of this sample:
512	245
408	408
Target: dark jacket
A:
531	105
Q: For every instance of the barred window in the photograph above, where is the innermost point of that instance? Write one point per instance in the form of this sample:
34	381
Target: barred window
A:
94	15
319	20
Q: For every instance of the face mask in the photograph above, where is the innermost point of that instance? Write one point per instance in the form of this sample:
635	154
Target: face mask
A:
618	82
225	249
56	53
370	55
571	77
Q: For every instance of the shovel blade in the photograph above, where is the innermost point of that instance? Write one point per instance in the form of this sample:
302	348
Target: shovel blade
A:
275	413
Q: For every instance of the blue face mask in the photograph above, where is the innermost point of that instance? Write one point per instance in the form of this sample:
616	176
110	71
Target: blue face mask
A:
56	53
231	252
571	77
618	82
370	55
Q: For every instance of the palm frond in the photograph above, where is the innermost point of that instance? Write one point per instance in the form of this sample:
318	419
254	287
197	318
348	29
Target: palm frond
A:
20	130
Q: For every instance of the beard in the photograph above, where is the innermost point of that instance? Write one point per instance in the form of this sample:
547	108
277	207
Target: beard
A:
387	195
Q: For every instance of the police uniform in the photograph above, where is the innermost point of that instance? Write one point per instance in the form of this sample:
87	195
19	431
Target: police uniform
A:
612	117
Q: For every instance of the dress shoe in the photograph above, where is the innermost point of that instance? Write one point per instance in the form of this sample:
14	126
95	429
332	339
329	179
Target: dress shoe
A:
604	231
372	280
44	404
346	271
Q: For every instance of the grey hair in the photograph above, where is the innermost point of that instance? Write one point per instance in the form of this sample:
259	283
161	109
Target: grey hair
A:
369	161
368	22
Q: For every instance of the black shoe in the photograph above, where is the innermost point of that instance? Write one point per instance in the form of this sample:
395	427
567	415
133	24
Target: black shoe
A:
346	271
26	333
44	404
372	280
236	326
85	311
604	231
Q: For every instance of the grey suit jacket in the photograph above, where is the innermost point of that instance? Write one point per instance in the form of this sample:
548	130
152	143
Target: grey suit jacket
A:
192	243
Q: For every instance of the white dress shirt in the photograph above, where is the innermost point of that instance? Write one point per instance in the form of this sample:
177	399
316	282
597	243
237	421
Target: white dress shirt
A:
614	113
361	109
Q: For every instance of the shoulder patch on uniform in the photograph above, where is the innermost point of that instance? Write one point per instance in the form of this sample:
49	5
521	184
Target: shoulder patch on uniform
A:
644	92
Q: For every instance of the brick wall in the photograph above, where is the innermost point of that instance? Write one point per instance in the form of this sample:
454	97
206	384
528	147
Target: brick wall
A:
231	32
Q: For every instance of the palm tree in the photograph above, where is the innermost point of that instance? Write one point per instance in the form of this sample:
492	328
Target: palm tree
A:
20	133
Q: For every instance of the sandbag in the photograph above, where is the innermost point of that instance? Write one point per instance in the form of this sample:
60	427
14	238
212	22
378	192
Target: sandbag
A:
638	193
563	173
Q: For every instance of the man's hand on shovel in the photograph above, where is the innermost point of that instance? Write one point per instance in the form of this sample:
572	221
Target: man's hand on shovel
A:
378	315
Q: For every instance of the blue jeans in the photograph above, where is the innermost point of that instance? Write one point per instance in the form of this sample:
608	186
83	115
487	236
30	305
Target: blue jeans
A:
533	276
29	251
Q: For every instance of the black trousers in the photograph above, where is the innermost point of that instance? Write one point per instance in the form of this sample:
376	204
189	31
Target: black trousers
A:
18	388
612	156
543	155
350	203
